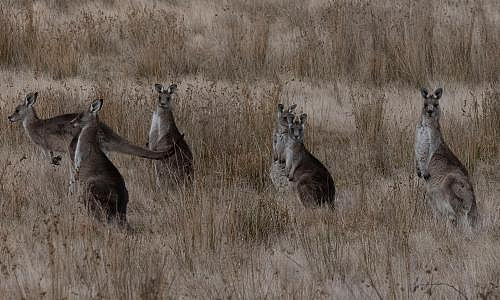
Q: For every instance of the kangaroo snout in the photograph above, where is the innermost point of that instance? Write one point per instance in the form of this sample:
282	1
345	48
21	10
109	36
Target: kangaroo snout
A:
429	110
11	119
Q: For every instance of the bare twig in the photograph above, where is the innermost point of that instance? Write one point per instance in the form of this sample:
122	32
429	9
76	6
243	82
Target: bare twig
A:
443	284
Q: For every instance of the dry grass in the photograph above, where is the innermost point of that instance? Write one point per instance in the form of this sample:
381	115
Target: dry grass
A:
369	41
230	236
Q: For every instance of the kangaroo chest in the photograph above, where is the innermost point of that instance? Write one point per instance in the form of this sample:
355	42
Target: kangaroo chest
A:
36	137
422	143
35	133
86	148
80	154
427	141
153	131
294	151
161	126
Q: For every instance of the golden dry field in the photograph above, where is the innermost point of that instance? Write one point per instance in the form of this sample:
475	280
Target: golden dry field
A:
355	67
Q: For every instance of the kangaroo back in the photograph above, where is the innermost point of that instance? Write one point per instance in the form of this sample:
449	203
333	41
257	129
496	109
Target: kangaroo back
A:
314	182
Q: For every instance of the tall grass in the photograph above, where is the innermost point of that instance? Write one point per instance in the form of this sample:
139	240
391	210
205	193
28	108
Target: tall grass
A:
352	66
373	42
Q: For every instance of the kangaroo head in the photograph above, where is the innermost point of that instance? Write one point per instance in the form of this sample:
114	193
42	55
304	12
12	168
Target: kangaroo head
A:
23	109
89	116
296	126
431	109
165	95
283	114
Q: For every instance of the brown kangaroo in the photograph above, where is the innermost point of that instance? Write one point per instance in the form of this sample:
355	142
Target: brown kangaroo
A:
311	178
104	187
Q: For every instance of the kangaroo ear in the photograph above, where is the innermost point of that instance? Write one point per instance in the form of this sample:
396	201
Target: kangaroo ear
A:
290	117
31	98
424	92
96	106
438	93
158	87
172	88
303	118
292	107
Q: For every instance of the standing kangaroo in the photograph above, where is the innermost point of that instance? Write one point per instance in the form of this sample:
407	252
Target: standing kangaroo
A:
311	178
280	136
105	190
164	135
447	180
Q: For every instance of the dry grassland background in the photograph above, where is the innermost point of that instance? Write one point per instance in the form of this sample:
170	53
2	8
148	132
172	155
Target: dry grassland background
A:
354	66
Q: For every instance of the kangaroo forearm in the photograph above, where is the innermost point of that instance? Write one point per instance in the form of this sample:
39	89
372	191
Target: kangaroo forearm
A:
290	174
49	154
275	155
417	167
421	165
288	166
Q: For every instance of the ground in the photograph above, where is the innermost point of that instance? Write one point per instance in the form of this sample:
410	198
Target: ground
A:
354	68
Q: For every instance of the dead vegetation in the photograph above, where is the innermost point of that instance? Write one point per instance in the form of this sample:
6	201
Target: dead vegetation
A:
351	66
369	41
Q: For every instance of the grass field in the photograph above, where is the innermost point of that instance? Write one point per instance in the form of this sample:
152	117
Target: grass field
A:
354	67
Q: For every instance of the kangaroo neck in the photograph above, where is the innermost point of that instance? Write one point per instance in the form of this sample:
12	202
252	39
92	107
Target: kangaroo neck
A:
88	136
297	145
87	146
30	119
167	121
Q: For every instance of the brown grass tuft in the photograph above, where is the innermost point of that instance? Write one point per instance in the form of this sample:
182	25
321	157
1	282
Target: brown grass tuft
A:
353	67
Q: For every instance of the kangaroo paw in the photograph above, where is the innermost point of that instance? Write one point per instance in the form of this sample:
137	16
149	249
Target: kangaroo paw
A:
56	160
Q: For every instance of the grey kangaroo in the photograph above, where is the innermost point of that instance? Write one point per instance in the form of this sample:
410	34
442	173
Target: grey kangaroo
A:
313	182
447	180
277	173
164	135
104	187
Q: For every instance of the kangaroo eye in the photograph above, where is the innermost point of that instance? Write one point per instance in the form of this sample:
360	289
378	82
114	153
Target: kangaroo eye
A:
17	110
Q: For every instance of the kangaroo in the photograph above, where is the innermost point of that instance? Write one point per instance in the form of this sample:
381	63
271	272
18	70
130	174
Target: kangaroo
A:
105	189
55	134
313	182
164	135
447	180
280	135
36	128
